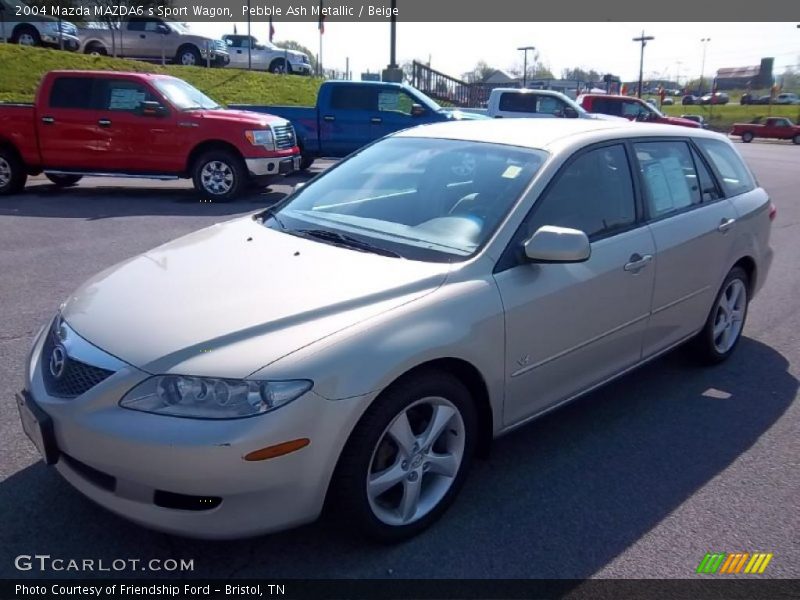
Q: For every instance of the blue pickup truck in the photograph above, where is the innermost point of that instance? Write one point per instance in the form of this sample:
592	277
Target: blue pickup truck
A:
351	114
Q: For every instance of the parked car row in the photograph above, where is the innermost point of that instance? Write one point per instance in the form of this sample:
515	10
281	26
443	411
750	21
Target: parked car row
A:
150	38
782	98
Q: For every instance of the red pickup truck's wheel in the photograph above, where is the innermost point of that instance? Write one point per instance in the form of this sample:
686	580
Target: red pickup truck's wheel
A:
219	175
12	173
63	180
747	137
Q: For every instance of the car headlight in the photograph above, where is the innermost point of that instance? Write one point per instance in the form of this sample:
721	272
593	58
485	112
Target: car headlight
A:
261	137
211	398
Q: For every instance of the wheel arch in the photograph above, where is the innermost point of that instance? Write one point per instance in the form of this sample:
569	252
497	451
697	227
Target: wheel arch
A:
207	146
748	264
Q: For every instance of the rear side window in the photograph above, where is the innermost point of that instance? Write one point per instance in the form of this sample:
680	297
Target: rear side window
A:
354	97
607	107
736	179
72	92
669	177
513	102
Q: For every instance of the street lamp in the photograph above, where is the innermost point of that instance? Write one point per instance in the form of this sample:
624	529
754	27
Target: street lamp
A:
704	41
525	49
643	39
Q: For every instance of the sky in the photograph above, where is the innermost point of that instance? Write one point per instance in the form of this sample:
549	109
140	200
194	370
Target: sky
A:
455	48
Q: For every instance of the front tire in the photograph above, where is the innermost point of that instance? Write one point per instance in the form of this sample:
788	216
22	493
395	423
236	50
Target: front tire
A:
279	65
747	137
12	173
407	458
63	180
724	325
219	175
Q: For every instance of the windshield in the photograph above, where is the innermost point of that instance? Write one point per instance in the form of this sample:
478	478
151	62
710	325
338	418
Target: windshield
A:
182	95
417	198
177	27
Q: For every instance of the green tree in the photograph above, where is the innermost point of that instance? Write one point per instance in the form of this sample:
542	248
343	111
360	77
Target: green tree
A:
479	73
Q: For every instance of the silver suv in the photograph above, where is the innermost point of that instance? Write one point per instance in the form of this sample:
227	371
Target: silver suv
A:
151	38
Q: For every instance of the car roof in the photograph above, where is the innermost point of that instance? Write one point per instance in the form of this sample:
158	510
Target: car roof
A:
548	134
90	73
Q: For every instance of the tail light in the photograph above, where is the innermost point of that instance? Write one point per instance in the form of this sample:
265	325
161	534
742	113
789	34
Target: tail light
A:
773	211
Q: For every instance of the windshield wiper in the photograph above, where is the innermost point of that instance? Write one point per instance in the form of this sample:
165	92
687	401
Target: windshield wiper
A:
341	239
270	212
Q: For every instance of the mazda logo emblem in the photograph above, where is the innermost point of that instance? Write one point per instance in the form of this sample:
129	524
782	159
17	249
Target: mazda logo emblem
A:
58	362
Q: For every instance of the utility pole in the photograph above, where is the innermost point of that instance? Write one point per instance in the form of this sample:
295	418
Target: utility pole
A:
704	41
643	39
524	50
250	41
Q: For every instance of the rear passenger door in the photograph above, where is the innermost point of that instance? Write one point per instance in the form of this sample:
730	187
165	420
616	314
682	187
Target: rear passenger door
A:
692	224
345	124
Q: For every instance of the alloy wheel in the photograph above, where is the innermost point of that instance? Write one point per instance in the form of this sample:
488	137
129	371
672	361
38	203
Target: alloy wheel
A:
188	59
26	39
217	177
415	461
729	315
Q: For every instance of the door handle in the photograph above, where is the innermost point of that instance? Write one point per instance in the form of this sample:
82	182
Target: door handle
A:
48	120
104	122
637	262
376	120
725	225
329	118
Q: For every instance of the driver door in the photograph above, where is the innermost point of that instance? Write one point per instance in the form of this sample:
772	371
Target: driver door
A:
572	326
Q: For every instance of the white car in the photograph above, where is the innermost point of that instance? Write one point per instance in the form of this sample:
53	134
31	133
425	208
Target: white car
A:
537	104
787	98
264	56
360	342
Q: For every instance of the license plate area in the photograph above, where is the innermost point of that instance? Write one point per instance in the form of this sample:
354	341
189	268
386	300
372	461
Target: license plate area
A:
38	426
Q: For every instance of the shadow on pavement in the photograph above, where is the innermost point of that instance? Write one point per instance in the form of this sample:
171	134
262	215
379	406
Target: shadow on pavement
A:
559	498
101	199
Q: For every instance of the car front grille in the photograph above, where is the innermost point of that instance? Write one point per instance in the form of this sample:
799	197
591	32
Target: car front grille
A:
75	378
284	136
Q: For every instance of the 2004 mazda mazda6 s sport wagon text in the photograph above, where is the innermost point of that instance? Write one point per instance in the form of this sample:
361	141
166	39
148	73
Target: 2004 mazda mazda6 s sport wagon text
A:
357	344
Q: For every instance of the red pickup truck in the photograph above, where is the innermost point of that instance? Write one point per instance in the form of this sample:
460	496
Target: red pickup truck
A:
631	108
139	125
779	128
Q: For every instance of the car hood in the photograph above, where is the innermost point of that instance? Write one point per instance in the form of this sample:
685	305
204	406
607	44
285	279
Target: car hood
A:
682	122
243	117
230	299
462	115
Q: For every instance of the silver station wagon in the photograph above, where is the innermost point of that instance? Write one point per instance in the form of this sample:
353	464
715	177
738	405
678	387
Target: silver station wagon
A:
356	345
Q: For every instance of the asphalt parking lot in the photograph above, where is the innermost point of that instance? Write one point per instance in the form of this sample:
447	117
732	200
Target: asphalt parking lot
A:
640	479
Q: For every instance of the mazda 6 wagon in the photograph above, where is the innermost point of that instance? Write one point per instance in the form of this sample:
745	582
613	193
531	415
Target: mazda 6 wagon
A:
357	344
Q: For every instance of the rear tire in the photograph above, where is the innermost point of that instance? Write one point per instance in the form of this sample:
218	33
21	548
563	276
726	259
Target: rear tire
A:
725	323
26	36
63	180
12	173
219	175
796	139
377	487
747	137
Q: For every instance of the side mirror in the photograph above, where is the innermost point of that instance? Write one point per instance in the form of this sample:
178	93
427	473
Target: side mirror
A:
299	185
551	244
417	110
570	113
152	108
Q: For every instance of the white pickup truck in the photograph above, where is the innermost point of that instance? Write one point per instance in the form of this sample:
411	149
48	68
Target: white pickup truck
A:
27	25
537	104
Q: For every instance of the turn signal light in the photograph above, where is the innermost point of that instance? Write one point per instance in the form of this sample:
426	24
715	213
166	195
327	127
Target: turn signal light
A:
277	450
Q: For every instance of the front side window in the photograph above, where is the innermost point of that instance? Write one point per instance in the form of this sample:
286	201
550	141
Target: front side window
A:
669	177
120	95
736	179
423	199
395	101
593	193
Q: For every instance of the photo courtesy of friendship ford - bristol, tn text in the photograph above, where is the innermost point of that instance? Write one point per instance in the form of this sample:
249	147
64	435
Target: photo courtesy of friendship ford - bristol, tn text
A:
354	292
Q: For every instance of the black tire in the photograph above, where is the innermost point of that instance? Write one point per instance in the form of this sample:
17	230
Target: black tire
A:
703	345
216	187
348	498
306	160
12	173
96	48
24	33
189	56
279	65
63	180
796	139
747	137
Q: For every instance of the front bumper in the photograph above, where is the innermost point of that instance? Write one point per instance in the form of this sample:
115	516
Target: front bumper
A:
129	461
300	68
71	42
259	167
